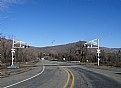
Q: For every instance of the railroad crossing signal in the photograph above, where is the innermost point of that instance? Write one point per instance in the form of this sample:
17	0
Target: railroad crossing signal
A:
94	44
14	46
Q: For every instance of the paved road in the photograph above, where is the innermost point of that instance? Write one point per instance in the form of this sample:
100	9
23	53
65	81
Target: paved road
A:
52	77
60	75
89	79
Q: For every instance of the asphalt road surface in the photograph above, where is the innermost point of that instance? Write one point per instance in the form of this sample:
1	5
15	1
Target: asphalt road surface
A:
52	74
89	79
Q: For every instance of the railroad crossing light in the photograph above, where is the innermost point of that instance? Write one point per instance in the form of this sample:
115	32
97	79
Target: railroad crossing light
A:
26	46
13	56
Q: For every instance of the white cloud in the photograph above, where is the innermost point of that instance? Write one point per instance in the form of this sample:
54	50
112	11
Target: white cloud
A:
7	3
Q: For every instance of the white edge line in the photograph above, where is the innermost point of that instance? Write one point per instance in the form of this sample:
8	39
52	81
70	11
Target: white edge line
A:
28	78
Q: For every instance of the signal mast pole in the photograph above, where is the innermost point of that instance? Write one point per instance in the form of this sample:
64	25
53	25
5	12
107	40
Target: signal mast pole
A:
94	44
20	45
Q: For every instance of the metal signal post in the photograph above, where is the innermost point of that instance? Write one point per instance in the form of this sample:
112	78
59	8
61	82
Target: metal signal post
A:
16	44
94	44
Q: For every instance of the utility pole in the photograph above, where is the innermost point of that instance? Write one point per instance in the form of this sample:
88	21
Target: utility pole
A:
16	44
94	44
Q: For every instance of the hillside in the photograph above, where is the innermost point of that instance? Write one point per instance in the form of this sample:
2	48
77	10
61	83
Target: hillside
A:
75	45
61	48
71	51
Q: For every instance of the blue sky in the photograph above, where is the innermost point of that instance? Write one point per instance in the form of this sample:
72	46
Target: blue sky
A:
39	22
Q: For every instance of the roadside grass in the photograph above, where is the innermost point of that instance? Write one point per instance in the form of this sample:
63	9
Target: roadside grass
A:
5	72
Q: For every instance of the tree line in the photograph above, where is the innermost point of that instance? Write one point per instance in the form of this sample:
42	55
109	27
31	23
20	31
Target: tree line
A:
74	52
21	55
80	53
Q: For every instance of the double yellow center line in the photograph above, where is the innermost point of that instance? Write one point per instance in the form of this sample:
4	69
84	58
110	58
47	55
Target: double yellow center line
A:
70	74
